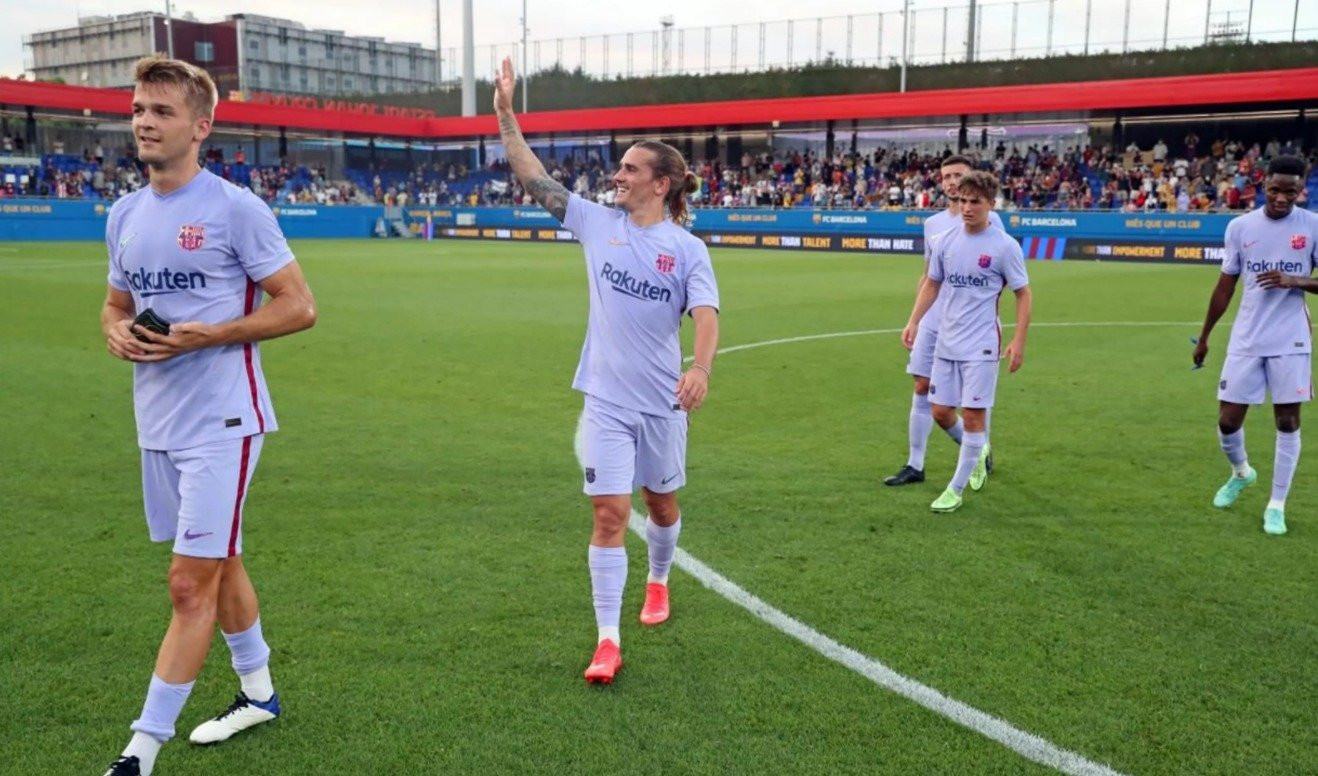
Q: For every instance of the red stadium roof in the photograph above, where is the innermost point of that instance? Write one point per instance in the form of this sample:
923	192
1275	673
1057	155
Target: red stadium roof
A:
1268	86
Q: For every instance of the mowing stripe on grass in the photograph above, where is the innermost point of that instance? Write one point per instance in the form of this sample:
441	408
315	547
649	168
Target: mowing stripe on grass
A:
1025	744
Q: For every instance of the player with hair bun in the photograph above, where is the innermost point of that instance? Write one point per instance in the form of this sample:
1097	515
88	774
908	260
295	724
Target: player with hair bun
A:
645	271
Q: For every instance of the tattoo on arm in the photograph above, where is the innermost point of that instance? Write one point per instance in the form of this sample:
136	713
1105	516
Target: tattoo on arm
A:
543	189
509	129
550	194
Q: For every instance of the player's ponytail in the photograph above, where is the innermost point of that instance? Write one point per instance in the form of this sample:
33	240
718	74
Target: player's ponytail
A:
669	163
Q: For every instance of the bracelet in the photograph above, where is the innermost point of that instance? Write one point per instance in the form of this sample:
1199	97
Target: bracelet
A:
703	368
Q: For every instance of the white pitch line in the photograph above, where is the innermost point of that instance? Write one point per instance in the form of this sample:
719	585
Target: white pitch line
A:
1025	744
1044	325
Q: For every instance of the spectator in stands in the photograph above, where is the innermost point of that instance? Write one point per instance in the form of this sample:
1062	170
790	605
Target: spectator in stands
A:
1159	151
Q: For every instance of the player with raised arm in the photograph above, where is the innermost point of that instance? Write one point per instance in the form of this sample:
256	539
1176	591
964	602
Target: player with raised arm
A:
645	271
970	265
921	361
194	249
1275	249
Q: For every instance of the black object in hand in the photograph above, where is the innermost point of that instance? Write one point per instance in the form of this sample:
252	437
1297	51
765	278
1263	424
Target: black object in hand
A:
148	320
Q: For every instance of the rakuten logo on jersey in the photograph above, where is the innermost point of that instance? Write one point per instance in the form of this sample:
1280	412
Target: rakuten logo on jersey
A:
1288	267
968	281
623	282
163	281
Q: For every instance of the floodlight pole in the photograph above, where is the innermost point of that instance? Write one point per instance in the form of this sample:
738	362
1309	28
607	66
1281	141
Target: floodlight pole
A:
439	50
970	36
526	75
906	37
169	27
468	61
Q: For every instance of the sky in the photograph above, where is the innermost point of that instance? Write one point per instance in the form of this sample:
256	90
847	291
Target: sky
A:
498	22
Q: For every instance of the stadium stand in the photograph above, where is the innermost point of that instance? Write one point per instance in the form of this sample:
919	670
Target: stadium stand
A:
1224	174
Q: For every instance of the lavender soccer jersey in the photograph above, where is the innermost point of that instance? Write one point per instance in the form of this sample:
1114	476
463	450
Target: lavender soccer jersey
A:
973	270
935	226
197	254
642	279
1271	322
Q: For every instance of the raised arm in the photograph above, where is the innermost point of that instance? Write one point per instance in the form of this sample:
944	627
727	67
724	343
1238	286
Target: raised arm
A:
551	194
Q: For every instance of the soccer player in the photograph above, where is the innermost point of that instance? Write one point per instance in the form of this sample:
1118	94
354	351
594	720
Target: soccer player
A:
1276	249
644	272
921	361
970	265
198	252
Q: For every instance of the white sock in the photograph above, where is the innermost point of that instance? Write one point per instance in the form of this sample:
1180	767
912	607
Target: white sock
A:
971	445
921	422
957	432
144	748
1283	470
1233	445
257	684
662	541
1275	504
164	702
608	577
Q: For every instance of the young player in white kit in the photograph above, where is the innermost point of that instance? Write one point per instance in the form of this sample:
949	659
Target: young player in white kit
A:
645	271
198	252
921	362
970	265
1275	248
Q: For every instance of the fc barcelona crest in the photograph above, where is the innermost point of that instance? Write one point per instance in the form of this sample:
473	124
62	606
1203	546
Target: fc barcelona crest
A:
1298	241
985	260
190	237
665	263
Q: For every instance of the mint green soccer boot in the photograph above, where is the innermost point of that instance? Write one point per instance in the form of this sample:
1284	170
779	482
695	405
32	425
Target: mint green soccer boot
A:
1226	495
979	474
950	501
1274	521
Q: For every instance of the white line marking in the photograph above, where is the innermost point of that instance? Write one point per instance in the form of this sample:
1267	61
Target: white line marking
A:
1025	744
1045	325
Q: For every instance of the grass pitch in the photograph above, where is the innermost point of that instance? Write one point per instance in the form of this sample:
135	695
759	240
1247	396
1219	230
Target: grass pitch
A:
418	537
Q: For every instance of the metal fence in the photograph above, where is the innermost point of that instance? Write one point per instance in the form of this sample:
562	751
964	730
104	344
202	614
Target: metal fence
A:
933	35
